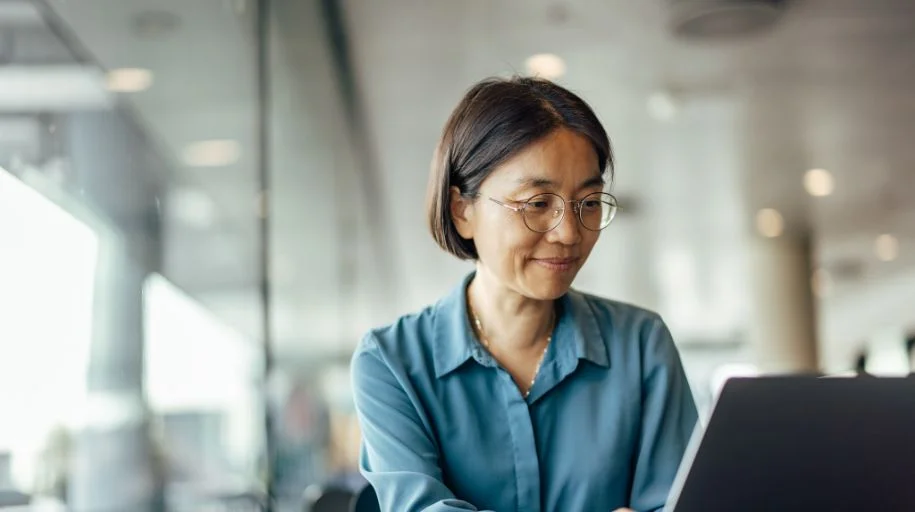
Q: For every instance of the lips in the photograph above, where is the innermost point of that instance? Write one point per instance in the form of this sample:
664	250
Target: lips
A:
557	261
558	264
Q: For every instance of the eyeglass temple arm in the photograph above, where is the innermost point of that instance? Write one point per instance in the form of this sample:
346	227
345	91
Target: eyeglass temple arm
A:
510	207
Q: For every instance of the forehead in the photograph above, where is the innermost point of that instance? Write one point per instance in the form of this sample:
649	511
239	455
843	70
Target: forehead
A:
562	157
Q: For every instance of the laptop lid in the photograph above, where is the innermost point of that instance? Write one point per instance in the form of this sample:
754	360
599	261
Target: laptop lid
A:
803	443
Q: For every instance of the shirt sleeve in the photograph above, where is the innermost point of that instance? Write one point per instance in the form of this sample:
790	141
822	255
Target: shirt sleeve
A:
668	419
399	456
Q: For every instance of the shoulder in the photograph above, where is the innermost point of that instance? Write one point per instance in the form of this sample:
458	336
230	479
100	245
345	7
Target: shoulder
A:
631	332
618	316
403	343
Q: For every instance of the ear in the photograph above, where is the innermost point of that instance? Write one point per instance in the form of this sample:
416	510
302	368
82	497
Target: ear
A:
462	213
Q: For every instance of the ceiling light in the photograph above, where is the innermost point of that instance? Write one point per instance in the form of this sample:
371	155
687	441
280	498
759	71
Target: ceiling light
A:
769	223
819	182
128	80
717	19
211	153
886	247
545	65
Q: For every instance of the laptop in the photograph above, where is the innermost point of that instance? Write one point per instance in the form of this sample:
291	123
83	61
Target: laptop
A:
803	443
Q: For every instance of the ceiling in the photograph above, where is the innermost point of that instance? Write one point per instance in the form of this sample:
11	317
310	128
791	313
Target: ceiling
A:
829	87
203	89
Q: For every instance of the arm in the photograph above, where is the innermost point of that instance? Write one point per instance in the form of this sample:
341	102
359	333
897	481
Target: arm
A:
399	456
668	419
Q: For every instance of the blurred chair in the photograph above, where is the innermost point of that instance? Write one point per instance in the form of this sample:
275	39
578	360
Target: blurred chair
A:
366	501
330	499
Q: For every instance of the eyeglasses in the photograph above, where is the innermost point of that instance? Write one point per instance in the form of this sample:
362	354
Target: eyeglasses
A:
544	212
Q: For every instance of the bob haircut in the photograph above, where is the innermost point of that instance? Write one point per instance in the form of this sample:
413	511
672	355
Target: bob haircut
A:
494	121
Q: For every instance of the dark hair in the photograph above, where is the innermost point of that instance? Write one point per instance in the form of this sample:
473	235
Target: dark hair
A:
494	121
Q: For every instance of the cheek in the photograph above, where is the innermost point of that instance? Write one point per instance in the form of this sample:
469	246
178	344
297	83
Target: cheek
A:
519	242
502	244
509	246
588	241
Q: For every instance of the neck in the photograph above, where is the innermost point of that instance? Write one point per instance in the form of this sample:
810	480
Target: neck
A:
510	321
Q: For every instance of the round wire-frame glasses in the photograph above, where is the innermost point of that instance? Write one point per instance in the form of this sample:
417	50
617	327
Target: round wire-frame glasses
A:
544	212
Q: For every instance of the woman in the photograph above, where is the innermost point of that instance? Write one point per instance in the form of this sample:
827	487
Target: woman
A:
515	392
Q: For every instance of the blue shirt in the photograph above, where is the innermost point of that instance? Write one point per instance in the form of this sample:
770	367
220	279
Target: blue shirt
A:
445	428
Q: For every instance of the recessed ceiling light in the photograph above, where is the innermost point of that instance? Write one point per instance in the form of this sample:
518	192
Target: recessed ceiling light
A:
211	153
545	65
819	182
769	223
722	19
886	247
128	79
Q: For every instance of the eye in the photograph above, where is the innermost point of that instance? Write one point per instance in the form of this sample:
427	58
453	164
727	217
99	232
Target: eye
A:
542	202
538	204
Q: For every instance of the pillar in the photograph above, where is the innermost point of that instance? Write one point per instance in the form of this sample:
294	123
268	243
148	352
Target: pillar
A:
783	322
114	465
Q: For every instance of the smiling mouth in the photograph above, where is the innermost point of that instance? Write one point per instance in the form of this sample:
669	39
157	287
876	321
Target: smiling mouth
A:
557	264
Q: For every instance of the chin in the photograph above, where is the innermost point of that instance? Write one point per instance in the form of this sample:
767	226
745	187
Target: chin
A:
550	287
551	295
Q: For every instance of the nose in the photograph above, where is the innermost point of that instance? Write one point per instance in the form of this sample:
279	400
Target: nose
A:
568	232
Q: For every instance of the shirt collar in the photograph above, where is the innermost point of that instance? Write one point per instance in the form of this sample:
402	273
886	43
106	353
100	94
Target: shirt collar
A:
453	336
578	322
453	342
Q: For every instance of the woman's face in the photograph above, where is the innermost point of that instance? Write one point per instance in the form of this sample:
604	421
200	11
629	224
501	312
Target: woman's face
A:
535	265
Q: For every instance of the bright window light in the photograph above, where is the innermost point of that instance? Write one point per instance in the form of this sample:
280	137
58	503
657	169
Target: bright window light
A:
193	360
196	364
47	270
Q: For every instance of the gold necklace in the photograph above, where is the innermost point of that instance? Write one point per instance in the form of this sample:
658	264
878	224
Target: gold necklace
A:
479	326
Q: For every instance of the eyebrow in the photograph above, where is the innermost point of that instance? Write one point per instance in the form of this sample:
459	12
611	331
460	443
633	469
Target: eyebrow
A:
594	181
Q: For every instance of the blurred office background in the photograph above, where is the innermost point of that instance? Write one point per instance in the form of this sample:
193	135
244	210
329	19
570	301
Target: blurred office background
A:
204	204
